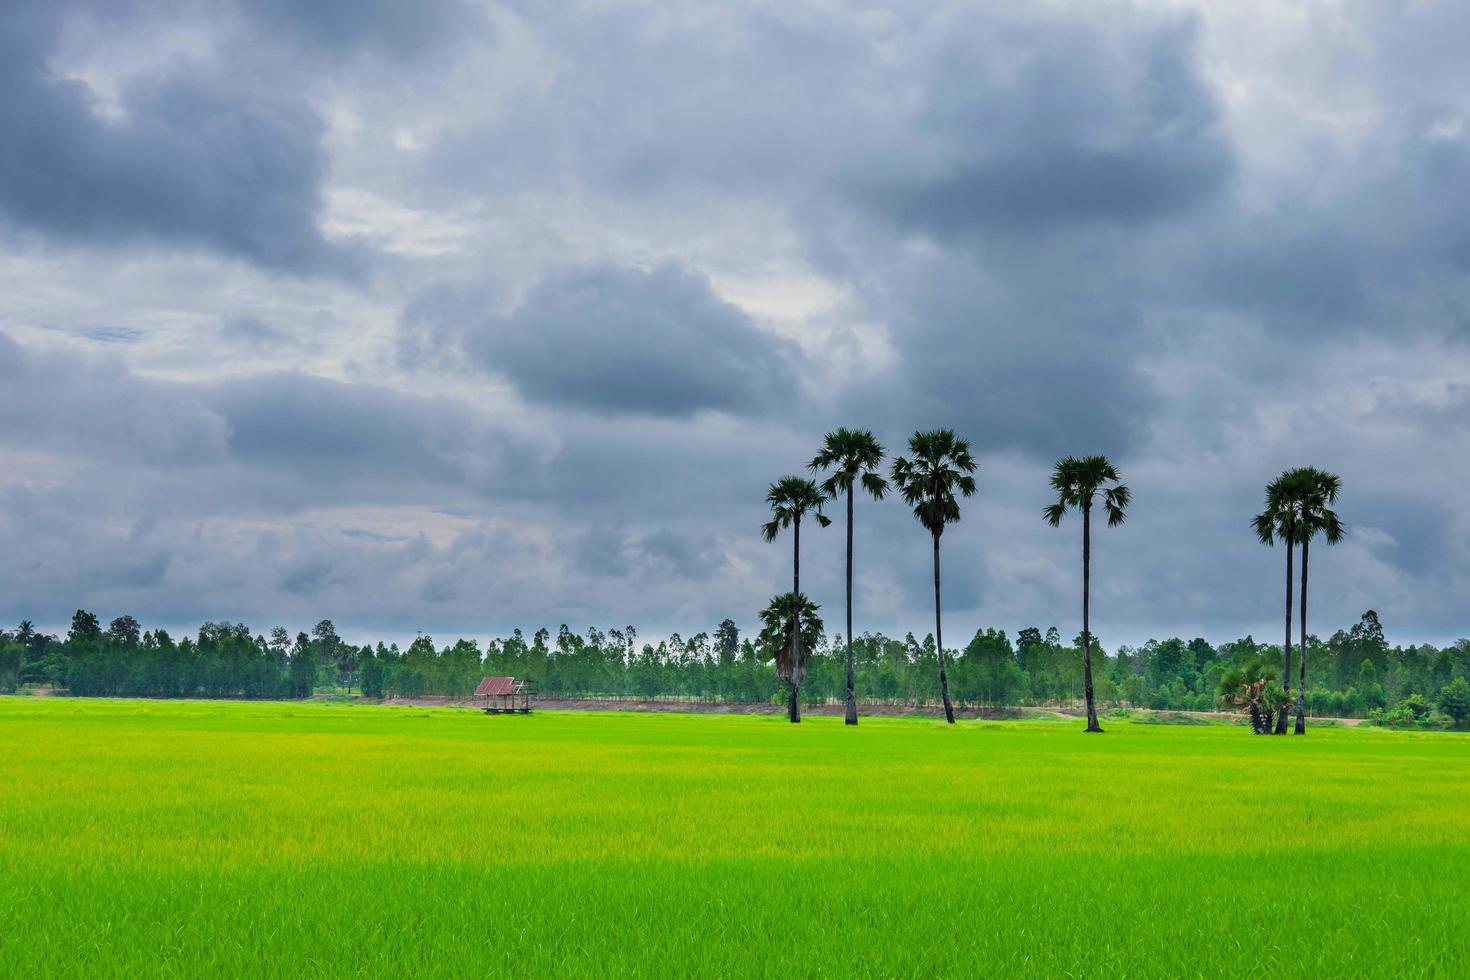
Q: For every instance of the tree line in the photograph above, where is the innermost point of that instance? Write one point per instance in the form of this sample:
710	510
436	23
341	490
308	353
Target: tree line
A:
792	650
1352	673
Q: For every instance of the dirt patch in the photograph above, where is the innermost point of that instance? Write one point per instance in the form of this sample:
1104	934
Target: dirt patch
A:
732	708
1143	715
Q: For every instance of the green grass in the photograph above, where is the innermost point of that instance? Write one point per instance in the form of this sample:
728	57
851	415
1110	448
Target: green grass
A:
197	838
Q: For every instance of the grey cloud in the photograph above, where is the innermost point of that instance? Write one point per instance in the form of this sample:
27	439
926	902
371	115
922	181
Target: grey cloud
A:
625	341
290	439
388	27
1031	124
99	408
203	155
252	331
942	122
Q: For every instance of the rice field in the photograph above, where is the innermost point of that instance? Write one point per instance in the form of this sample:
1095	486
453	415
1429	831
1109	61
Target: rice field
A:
289	839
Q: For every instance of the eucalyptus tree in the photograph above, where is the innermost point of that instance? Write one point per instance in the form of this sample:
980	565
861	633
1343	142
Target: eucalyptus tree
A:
781	640
790	498
937	468
1077	482
1279	522
1314	516
853	456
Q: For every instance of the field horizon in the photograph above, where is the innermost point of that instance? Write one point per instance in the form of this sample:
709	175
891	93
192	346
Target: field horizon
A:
190	837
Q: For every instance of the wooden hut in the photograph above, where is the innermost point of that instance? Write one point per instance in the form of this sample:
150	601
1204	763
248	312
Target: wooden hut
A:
505	696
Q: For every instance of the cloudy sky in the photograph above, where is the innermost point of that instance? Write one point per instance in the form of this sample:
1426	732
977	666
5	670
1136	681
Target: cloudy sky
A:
464	316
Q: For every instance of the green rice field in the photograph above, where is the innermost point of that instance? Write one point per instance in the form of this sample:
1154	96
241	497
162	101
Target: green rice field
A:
148	838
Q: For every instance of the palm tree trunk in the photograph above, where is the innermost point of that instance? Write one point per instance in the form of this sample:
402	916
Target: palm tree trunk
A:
939	641
850	717
1301	715
1092	725
794	713
1286	646
793	707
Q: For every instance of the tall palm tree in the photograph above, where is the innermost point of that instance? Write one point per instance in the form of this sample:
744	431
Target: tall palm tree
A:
779	641
852	455
790	498
1279	521
1314	516
1077	482
938	466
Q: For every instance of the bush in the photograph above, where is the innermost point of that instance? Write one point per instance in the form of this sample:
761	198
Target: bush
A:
1410	712
1454	701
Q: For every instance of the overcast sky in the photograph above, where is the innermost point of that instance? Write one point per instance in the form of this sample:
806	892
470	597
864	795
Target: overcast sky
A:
460	317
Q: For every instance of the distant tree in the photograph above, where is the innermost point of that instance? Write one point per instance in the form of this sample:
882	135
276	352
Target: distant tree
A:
789	632
790	498
280	647
727	642
1077	482
126	631
303	667
84	627
327	651
852	456
1454	700
1314	517
938	467
372	675
1025	640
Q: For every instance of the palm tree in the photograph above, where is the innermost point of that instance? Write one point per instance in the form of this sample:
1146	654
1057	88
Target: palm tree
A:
851	455
1314	516
778	640
1253	684
939	468
790	497
1077	482
1279	520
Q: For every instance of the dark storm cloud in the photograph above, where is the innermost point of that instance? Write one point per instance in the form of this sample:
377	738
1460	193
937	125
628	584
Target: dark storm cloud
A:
221	153
1030	125
1034	148
625	341
200	157
1015	360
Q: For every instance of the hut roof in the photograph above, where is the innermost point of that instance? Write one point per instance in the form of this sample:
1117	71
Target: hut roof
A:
496	687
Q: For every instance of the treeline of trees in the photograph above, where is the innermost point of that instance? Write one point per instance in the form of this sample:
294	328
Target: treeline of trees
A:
1353	673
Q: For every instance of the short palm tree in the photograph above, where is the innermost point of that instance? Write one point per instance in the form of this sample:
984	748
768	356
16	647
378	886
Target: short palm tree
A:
1077	482
1279	522
852	456
779	641
790	498
938	467
1314	516
1253	684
